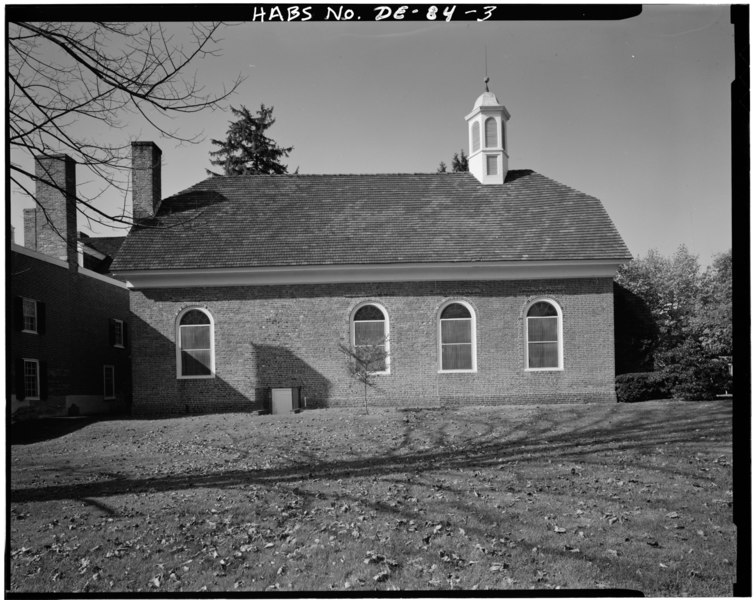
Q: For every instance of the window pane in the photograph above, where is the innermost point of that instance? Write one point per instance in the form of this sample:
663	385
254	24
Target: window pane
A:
475	136
369	313
455	311
195	317
30	379
369	333
543	355
195	337
30	314
379	364
543	329
456	356
490	133
455	332
542	309
118	333
195	362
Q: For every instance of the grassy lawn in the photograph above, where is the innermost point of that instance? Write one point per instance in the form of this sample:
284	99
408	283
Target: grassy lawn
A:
630	496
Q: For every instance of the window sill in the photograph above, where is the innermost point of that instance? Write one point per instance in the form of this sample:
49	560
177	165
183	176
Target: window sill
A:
30	331
458	371
196	377
119	346
545	370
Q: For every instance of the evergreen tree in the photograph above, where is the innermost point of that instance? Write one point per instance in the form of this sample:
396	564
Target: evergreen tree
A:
458	164
246	149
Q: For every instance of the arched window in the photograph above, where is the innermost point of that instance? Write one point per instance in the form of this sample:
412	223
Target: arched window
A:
544	335
475	136
456	334
370	334
490	132
195	344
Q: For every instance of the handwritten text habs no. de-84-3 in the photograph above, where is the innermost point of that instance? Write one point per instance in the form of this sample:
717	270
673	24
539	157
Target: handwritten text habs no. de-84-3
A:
324	12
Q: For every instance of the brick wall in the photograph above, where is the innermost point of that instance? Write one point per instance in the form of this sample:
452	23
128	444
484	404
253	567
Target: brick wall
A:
76	342
281	336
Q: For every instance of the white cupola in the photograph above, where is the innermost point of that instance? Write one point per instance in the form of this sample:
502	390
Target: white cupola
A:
487	134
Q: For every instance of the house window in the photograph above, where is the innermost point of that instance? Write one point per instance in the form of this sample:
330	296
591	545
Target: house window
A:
108	377
492	165
456	326
370	330
475	136
31	379
544	336
195	344
491	132
117	333
29	308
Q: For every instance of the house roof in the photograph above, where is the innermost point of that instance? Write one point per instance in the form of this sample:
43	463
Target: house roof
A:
300	220
108	246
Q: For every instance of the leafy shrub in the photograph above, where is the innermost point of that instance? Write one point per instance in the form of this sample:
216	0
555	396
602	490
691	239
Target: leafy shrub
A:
695	375
638	387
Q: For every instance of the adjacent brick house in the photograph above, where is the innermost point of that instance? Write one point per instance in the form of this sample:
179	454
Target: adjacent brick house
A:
492	286
69	319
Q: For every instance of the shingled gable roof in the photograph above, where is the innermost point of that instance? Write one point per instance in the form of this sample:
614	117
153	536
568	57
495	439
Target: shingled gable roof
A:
300	220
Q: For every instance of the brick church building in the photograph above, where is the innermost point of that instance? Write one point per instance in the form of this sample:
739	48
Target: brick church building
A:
492	286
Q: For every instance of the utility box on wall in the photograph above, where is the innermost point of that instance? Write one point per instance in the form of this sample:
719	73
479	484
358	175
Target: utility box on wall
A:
286	400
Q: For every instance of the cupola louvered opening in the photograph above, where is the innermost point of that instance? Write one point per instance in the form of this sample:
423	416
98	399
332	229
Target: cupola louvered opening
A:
491	141
475	136
492	165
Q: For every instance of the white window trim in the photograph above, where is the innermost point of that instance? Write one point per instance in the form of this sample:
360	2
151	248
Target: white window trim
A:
36	316
35	361
386	330
104	382
119	322
473	336
179	375
560	340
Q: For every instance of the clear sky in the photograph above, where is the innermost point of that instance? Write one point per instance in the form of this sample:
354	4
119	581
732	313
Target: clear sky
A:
634	112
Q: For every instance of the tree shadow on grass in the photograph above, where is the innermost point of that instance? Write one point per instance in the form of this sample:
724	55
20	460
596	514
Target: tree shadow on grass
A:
553	440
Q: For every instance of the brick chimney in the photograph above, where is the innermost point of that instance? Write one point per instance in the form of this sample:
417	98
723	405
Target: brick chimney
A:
51	227
30	228
145	179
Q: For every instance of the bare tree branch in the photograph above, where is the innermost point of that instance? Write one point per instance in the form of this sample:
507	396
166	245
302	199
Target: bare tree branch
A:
62	76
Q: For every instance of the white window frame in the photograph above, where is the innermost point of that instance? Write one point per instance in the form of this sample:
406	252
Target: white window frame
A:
560	337
118	333
386	330
179	375
23	315
36	362
105	382
473	336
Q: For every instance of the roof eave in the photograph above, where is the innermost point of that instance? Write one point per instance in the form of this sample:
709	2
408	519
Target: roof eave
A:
360	273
